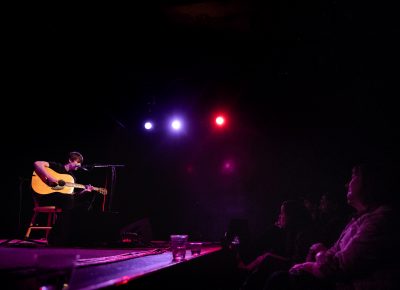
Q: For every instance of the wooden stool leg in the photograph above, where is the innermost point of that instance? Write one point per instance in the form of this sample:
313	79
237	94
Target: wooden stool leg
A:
54	218
49	219
49	224
33	220
51	212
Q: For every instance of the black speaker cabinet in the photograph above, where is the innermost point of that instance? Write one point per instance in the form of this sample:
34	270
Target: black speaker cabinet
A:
86	229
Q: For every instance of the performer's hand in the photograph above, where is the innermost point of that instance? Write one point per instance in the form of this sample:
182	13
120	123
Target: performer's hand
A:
52	182
89	187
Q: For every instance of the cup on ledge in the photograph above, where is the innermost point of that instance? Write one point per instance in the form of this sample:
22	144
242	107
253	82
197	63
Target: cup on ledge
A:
195	248
178	247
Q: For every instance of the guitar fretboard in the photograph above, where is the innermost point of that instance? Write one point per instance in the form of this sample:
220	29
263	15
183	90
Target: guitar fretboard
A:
76	185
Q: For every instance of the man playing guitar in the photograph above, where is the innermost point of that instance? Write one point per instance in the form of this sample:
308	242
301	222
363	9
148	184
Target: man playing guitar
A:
54	183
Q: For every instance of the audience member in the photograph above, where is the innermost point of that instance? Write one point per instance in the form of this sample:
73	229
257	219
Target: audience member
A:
332	217
366	255
312	206
294	235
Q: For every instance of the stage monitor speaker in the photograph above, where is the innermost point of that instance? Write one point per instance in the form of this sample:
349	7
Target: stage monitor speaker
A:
141	231
86	229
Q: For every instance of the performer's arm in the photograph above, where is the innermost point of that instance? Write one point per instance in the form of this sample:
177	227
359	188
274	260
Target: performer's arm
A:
40	169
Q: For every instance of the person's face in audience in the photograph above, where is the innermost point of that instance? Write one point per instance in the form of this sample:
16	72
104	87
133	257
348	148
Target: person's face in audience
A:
323	204
354	189
282	217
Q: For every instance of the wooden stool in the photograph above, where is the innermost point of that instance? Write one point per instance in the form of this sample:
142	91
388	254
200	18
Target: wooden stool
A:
51	212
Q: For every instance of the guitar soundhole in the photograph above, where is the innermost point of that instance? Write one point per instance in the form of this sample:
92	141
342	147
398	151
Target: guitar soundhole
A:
61	182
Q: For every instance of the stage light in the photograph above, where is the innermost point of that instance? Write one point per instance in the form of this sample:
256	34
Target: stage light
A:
176	124
148	125
220	120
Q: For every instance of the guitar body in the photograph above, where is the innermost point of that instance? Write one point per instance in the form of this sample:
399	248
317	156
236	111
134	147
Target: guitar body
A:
66	180
42	188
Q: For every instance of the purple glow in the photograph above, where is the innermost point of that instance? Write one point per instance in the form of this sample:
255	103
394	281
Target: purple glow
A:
189	169
228	166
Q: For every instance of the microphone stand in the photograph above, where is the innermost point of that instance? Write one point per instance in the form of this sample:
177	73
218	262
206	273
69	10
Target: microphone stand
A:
113	179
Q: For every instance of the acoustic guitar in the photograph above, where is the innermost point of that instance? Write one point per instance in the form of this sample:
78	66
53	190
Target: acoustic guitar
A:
65	184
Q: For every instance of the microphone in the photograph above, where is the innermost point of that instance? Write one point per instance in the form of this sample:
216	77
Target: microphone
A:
83	168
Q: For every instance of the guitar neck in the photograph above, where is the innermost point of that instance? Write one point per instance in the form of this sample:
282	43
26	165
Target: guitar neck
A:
76	185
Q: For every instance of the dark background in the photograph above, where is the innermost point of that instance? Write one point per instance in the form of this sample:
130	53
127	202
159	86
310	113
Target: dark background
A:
309	88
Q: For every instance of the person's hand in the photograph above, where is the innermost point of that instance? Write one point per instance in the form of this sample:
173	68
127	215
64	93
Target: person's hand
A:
314	249
309	267
320	257
89	187
51	181
318	247
303	267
